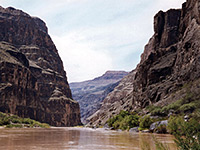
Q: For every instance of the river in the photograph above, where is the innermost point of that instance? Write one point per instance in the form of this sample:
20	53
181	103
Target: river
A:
77	139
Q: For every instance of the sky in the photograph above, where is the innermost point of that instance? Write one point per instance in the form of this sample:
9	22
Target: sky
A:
94	36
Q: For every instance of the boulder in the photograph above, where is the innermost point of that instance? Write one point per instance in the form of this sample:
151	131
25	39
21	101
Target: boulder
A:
135	129
159	126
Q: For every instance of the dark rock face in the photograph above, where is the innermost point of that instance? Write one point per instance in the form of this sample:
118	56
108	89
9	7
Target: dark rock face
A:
166	27
173	57
169	61
33	82
90	94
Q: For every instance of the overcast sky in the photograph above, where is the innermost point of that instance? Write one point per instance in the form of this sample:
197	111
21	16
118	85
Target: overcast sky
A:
93	36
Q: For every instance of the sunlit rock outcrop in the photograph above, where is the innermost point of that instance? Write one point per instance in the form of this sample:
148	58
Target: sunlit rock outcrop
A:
91	93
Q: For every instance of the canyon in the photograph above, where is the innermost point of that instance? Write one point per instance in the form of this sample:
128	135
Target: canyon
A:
33	82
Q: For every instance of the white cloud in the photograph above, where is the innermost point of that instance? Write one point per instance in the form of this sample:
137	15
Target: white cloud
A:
80	59
93	36
88	53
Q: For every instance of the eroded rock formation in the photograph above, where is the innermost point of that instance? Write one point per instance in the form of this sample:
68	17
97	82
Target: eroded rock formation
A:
90	94
170	60
33	82
117	100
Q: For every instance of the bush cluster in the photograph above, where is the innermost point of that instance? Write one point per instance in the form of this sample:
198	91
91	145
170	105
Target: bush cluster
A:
124	121
187	133
10	120
187	104
145	122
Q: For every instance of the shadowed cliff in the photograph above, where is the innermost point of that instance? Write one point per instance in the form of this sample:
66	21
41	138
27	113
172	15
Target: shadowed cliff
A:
33	82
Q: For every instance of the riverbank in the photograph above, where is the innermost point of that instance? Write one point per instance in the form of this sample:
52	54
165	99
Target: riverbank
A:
13	121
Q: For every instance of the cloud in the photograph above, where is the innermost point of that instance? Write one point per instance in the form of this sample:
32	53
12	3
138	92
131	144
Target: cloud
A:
81	61
95	36
90	52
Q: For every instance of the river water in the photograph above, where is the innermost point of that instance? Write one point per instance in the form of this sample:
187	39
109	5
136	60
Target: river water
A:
77	139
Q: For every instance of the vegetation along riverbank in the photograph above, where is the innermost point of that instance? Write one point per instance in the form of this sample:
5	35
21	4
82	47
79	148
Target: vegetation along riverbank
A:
13	121
184	127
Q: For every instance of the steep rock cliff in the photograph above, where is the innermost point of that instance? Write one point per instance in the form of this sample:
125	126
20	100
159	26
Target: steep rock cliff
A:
170	60
32	79
90	94
115	101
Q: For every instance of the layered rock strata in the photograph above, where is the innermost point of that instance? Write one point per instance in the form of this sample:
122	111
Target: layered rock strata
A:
170	60
114	102
33	82
90	94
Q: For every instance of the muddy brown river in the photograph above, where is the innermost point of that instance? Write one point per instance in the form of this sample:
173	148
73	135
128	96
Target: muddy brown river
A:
78	139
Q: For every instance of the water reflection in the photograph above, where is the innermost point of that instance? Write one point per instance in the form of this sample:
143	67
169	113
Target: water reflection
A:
76	139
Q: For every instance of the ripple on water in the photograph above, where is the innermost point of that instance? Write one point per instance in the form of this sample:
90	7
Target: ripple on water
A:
75	139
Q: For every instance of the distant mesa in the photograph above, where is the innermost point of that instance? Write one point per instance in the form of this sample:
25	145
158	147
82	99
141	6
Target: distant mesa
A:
90	94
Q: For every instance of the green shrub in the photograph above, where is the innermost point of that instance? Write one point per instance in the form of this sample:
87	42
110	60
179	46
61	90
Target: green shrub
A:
123	113
27	121
116	125
151	108
10	121
124	121
187	107
14	126
15	119
4	121
129	121
157	112
2	115
189	102
112	120
145	122
44	125
187	133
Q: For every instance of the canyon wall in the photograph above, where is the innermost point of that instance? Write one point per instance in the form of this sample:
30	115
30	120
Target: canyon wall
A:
91	93
170	61
33	82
